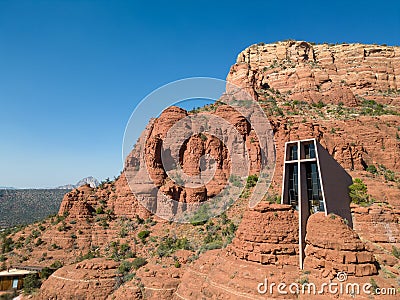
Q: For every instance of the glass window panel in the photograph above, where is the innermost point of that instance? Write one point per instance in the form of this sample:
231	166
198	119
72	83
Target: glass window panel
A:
314	188
293	152
309	150
293	185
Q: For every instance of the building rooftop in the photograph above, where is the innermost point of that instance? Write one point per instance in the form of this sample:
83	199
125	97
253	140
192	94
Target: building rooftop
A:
16	272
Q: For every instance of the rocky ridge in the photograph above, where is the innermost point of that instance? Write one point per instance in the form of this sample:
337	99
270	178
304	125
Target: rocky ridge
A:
330	73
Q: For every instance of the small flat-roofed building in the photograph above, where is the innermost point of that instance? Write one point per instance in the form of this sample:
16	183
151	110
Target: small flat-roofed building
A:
13	278
314	182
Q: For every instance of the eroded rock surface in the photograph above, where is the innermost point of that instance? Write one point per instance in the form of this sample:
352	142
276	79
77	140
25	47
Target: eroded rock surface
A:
90	279
334	247
268	234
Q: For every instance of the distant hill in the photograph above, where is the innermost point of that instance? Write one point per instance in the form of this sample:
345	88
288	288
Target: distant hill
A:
24	206
7	188
93	182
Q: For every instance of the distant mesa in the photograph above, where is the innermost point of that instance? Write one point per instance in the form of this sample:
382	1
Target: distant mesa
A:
93	182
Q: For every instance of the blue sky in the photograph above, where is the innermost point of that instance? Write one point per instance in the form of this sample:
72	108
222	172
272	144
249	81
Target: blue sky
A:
71	72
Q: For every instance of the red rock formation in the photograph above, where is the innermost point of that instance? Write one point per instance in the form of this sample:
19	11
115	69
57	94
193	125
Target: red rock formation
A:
337	249
90	279
379	228
215	275
268	234
316	73
320	71
151	282
116	196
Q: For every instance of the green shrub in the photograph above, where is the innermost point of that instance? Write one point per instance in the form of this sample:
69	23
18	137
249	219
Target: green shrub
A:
125	251
7	245
358	192
372	169
303	280
319	104
88	255
139	220
63	227
139	262
124	267
125	248
245	194
212	245
31	283
214	240
229	230
193	258
371	107
58	219
46	272
120	252
35	233
224	218
169	245
100	210
396	251
39	242
274	199
143	235
235	180
390	175
104	223
56	265
201	215
203	137
123	232
56	247
251	181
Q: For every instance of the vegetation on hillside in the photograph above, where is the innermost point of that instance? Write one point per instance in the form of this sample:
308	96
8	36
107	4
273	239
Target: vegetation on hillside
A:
281	104
359	193
29	205
381	170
